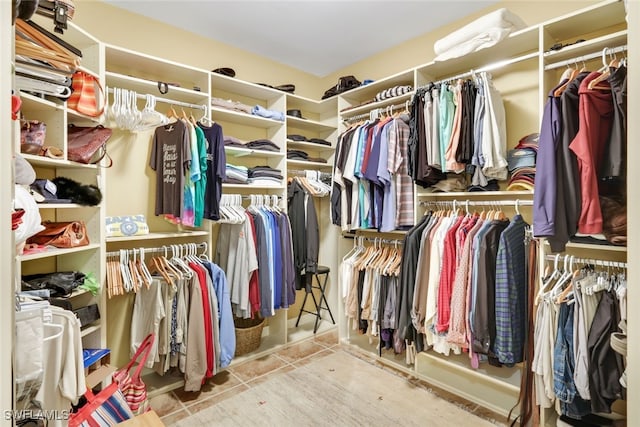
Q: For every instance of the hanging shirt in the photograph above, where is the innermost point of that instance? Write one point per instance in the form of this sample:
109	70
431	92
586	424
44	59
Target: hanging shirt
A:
596	118
215	170
170	156
200	184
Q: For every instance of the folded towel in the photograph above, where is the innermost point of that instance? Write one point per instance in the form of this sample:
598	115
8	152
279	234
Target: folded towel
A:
484	32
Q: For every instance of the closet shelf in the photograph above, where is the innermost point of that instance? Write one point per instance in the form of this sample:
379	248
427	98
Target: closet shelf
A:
368	92
379	104
308	124
517	44
303	145
142	86
594	247
305	163
251	187
473	194
123	60
90	330
49	162
592	18
35	103
75	116
63	206
157	236
242	152
220	114
326	107
57	252
586	47
232	85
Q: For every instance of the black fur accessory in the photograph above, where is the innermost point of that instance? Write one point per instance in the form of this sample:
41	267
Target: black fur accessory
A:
86	195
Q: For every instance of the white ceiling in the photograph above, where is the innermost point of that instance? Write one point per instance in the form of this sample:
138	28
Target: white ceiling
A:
316	36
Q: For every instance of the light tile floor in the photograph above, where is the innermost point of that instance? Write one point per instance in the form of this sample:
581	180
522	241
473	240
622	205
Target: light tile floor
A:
178	404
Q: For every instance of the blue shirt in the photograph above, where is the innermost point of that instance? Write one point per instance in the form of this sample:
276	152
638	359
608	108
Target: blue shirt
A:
225	314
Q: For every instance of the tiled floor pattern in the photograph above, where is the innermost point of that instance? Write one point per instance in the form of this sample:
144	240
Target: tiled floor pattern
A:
178	404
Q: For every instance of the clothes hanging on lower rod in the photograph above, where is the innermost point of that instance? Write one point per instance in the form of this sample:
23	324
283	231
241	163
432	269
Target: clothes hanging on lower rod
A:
305	233
462	286
187	306
257	256
369	283
575	362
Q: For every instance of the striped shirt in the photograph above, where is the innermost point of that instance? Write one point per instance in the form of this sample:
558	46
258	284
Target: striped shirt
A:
398	165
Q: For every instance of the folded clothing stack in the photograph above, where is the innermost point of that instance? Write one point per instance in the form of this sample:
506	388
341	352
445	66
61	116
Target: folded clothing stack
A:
393	92
263	144
265	175
231	105
302	138
232	141
236	174
522	163
258	110
256	144
482	33
304	156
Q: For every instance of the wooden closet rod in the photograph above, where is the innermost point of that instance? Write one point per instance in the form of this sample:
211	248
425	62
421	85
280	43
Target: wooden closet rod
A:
169	101
605	51
598	262
376	112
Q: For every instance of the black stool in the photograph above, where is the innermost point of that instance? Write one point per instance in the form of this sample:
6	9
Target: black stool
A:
321	286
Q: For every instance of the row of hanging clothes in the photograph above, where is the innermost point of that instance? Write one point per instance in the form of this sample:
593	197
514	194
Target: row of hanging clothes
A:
254	248
183	298
316	183
305	230
187	154
371	185
580	190
49	374
579	354
458	126
368	287
462	283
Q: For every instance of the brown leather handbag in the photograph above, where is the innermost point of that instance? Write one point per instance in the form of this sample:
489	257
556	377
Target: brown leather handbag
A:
88	144
62	234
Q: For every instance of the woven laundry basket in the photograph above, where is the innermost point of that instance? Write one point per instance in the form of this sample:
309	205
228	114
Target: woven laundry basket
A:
248	334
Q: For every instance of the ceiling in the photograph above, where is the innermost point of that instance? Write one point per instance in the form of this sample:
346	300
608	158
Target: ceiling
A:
316	36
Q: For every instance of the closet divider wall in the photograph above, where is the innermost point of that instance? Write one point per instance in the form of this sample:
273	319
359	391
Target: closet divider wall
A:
7	261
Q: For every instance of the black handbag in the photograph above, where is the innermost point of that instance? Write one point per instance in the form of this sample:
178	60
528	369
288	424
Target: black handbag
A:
61	283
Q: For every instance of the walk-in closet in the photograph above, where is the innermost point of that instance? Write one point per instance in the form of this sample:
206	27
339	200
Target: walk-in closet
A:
453	214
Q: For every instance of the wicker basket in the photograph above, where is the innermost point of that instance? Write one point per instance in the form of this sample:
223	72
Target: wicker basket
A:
248	334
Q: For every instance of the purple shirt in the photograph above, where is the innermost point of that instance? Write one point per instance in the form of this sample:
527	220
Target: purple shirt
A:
544	197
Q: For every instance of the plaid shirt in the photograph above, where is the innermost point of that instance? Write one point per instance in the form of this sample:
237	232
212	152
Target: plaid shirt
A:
511	287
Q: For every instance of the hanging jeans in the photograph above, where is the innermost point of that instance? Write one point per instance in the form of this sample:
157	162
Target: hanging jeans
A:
571	404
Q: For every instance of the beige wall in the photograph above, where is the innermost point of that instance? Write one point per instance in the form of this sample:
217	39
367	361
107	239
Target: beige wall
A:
101	19
112	25
419	50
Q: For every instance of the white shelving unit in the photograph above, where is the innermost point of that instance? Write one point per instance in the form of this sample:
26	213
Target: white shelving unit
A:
517	67
517	63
